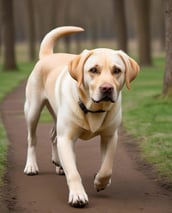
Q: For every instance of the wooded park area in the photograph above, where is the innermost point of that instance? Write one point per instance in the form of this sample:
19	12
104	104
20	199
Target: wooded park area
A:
138	27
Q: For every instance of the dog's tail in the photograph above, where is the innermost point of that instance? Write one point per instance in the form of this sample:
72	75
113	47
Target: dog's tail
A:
47	44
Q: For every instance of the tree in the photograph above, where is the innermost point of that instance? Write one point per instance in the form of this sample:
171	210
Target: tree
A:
67	17
142	11
167	84
120	24
0	35
31	30
158	23
8	34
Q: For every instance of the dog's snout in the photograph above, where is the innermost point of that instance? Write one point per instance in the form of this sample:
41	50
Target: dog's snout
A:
106	88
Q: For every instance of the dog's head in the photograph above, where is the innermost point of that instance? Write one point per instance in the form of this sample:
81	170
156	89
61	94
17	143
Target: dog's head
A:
103	72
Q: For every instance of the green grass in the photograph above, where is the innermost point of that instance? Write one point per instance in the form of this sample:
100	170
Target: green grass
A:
8	81
3	151
148	116
45	116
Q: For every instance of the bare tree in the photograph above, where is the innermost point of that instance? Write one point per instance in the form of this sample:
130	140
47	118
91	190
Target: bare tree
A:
158	22
0	34
120	24
8	34
67	21
54	10
162	28
31	29
142	11
167	84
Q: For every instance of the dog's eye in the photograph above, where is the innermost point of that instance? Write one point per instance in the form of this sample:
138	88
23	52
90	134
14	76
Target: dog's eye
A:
116	71
94	70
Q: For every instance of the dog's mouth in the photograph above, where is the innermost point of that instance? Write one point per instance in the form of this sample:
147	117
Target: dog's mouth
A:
106	98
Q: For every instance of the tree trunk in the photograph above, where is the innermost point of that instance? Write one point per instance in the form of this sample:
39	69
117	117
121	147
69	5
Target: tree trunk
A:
120	24
67	17
162	26
8	34
142	11
31	30
0	35
167	84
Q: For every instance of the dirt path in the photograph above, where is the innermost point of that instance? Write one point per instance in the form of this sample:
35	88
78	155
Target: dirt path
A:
131	191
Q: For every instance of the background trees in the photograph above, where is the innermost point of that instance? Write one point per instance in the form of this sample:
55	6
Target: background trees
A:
110	20
142	11
136	26
31	29
120	24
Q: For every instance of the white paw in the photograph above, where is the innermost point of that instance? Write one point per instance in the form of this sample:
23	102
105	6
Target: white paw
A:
31	169
101	183
78	199
59	170
55	158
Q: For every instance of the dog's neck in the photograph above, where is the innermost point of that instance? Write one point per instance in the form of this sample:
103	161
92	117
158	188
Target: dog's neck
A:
94	115
85	110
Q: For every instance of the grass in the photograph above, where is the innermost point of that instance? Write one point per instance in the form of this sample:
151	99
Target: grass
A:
45	116
8	81
3	151
148	116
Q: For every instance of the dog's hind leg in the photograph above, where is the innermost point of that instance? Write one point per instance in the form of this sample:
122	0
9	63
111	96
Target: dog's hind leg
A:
32	111
53	135
55	158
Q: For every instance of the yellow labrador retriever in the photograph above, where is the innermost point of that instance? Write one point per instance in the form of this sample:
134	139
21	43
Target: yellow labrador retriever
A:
83	94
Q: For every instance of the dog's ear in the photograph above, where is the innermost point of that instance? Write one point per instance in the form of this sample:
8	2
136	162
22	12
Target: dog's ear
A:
132	68
76	66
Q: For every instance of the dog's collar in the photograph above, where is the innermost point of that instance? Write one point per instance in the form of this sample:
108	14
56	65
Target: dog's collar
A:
85	110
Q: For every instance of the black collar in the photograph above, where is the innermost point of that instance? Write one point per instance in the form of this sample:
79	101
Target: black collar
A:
85	110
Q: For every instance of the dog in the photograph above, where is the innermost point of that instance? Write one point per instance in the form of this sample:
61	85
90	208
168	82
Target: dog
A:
83	94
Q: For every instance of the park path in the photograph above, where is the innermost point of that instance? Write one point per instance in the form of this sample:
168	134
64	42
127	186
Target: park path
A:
131	190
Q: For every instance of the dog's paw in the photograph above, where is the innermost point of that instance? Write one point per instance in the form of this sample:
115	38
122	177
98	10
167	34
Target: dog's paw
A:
78	199
101	183
59	170
31	169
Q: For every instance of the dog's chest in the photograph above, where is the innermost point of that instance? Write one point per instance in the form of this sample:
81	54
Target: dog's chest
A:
95	121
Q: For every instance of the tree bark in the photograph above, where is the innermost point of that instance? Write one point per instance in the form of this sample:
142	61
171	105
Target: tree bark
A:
120	24
142	11
0	35
162	26
8	35
31	30
67	16
167	84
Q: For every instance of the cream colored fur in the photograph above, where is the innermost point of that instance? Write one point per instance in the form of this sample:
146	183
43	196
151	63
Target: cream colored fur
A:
59	81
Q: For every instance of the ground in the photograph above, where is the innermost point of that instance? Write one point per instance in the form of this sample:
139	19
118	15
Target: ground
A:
131	191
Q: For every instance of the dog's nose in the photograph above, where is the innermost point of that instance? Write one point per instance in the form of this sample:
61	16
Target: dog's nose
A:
106	88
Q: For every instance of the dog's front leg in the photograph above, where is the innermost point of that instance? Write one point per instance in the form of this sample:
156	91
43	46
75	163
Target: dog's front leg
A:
77	194
108	146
